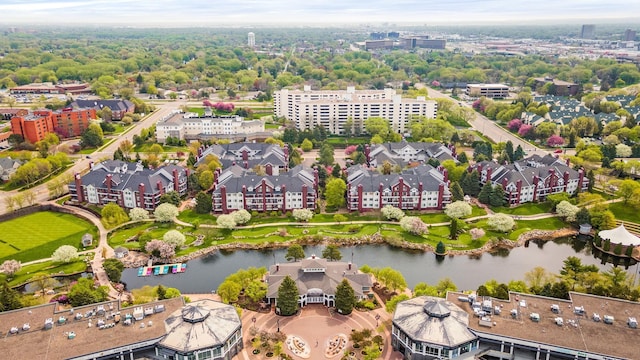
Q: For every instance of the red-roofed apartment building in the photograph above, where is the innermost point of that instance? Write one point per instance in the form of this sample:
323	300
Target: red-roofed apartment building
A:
34	126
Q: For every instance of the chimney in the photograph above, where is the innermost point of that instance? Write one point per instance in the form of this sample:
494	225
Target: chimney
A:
304	196
313	256
245	155
176	183
90	165
349	265
141	195
79	190
269	169
246	165
108	181
159	186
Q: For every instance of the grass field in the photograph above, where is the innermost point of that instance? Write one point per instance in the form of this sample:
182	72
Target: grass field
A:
525	209
38	235
625	212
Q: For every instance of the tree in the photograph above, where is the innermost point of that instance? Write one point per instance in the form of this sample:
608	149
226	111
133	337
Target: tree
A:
623	150
10	267
84	293
339	218
302	214
345	298
518	154
241	216
555	140
440	248
567	211
331	253
392	213
508	148
458	209
501	222
165	212
174	238
334	193
204	203
205	180
138	214
391	305
626	188
226	221
93	137
476	233
113	268
113	215
9	298
161	292
377	126
170	197
306	145
413	225
470	183
391	278
160	249
485	193
65	254
294	252
456	192
287	300
326	155
256	290
497	196
41	282
582	216
229	291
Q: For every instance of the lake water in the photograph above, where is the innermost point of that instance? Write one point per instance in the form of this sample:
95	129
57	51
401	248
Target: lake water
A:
205	274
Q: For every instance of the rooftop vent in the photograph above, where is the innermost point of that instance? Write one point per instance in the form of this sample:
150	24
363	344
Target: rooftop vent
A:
535	317
48	324
555	308
158	308
559	321
608	319
596	317
14	330
514	313
578	310
26	327
632	322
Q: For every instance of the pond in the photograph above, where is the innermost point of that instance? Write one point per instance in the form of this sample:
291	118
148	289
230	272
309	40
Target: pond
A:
205	274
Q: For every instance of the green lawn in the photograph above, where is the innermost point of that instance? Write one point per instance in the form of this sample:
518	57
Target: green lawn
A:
625	212
525	209
190	216
48	267
38	235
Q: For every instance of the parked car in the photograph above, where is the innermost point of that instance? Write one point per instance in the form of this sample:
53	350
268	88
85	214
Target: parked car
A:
558	151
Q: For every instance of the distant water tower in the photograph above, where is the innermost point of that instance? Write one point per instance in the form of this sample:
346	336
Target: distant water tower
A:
251	39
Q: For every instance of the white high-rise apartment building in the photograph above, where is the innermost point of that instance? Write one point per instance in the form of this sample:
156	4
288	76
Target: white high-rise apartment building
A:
331	109
251	39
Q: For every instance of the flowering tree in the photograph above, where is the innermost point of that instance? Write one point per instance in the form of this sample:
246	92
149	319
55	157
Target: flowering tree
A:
350	149
160	249
138	214
555	140
457	209
501	222
226	107
392	213
476	233
174	238
207	103
514	125
623	150
413	225
567	210
525	130
10	267
65	254
165	212
241	216
302	214
226	221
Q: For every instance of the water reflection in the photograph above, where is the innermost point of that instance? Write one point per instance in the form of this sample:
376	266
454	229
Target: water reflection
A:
467	272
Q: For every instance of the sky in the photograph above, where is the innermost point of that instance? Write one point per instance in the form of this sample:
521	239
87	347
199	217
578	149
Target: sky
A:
211	13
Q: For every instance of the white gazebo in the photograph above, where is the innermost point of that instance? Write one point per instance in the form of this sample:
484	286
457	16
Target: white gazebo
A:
620	235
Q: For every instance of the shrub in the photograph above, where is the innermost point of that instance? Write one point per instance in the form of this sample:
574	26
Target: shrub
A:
392	213
302	214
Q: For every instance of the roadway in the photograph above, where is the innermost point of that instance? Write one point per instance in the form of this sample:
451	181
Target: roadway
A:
489	128
42	192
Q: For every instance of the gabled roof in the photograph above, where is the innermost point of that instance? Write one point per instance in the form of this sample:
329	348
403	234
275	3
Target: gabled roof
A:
130	175
231	154
234	178
372	179
114	105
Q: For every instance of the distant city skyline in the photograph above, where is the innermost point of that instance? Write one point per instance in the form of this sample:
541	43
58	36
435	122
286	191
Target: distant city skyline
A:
167	13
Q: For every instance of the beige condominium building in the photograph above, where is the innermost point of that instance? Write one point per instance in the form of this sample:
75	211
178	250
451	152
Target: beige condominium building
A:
332	109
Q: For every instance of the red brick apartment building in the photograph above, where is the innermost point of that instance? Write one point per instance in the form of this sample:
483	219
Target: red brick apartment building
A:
34	126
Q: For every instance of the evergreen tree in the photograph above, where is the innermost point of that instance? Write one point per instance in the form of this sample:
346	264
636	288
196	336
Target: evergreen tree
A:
606	163
583	217
518	154
331	253
9	298
485	194
294	252
336	171
345	298
455	138
440	248
462	158
191	160
592	180
204	203
471	183
497	196
457	193
453	229
161	292
287	300
508	148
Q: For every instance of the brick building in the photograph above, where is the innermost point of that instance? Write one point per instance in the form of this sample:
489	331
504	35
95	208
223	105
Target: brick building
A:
34	126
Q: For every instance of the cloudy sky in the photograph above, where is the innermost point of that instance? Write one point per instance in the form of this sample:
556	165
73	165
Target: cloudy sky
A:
173	13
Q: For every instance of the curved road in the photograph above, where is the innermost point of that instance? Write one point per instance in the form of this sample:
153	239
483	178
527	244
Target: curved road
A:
41	191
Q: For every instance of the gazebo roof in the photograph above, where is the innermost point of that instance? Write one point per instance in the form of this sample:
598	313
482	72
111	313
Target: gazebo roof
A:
620	235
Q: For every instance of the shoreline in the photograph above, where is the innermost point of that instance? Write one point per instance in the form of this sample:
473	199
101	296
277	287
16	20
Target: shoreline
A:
375	239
